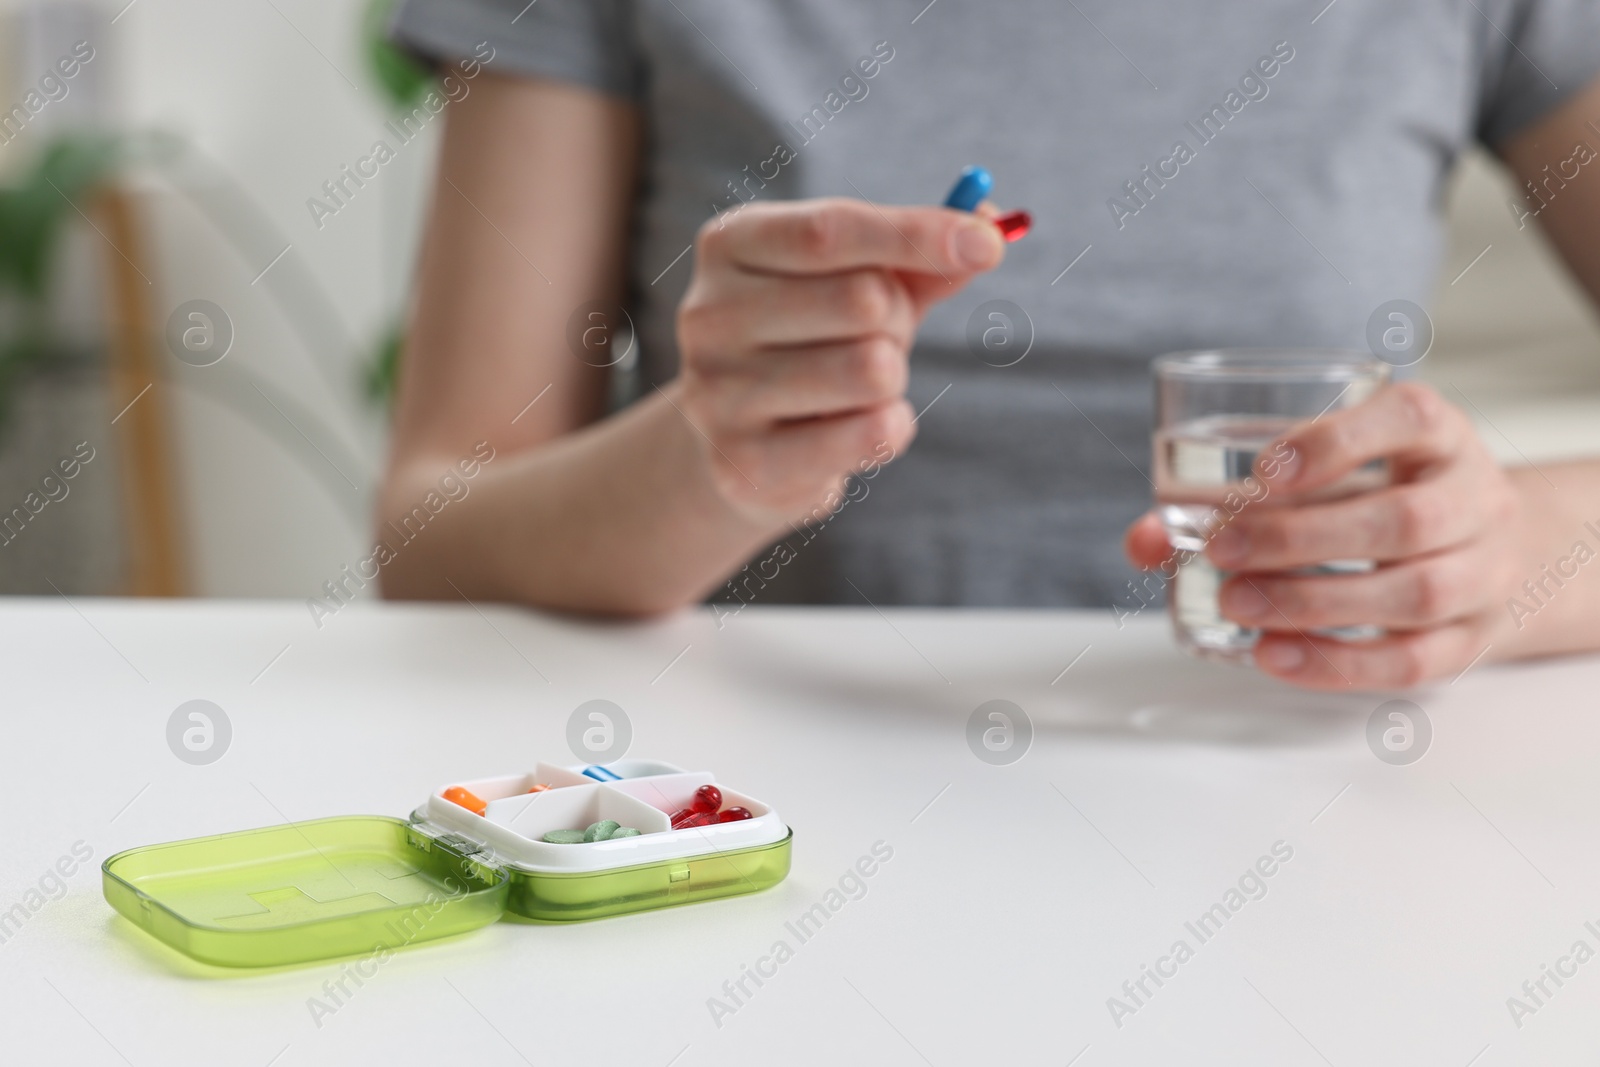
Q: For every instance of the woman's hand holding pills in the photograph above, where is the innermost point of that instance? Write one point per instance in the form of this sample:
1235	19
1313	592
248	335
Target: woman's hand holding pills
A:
1450	536
795	336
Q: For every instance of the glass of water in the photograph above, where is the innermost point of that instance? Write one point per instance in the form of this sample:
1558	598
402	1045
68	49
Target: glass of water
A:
1216	412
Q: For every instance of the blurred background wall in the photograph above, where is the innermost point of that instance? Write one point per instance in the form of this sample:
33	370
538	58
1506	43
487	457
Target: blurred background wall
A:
278	446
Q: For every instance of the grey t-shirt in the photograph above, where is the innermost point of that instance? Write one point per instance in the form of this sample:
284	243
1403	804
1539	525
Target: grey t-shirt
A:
1316	142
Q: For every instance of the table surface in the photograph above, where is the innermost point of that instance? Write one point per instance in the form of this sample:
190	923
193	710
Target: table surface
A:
1017	901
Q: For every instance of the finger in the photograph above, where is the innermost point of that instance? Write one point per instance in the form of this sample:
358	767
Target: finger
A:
798	463
1145	543
1387	524
1421	592
817	380
1407	422
825	236
928	289
764	310
1396	661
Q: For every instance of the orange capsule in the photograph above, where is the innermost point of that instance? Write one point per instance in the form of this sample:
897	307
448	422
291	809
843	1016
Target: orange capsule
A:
539	788
466	799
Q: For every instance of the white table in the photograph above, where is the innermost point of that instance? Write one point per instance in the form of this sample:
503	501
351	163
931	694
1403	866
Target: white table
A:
1018	900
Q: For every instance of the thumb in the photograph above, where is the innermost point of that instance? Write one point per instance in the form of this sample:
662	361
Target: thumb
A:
941	283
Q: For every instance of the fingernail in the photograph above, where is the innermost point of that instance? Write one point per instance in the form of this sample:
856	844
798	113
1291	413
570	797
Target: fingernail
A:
1244	602
1230	546
1281	656
1282	471
978	245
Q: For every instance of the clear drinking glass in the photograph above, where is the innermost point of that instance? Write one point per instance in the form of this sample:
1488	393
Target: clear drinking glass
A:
1216	411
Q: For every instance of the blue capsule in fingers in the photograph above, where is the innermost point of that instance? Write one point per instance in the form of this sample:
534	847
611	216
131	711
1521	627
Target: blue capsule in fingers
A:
970	189
602	774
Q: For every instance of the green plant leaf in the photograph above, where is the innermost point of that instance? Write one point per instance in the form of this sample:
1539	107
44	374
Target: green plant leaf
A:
401	77
34	212
383	366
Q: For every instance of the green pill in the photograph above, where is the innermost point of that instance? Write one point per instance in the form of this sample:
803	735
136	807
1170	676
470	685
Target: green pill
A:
565	837
623	831
599	831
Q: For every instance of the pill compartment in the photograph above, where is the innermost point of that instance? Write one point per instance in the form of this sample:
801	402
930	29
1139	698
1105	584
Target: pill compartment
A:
675	791
532	815
525	820
354	885
641	768
513	785
669	792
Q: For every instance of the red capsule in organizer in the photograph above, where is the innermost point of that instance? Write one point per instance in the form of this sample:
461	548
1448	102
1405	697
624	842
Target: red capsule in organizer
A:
706	798
694	818
1014	225
702	808
465	798
735	814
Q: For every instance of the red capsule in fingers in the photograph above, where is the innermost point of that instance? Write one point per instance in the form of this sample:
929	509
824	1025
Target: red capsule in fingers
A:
1014	225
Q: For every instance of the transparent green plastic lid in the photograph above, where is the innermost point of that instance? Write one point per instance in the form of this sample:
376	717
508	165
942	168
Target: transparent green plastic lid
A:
302	891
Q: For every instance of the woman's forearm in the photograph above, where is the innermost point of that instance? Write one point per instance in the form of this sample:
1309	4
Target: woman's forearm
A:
620	518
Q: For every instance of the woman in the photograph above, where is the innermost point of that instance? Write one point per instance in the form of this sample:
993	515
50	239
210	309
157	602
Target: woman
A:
722	190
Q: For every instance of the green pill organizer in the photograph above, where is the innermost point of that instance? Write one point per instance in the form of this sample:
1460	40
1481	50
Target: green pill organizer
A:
364	884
